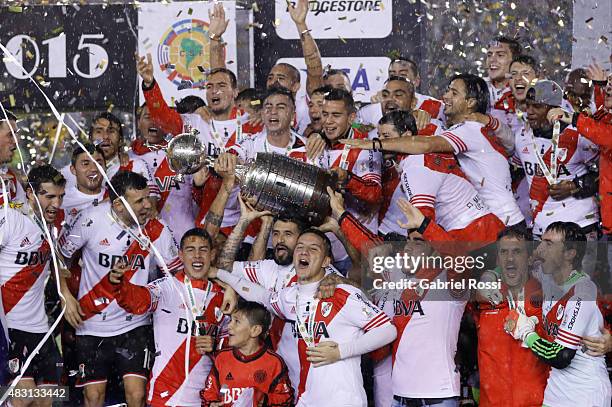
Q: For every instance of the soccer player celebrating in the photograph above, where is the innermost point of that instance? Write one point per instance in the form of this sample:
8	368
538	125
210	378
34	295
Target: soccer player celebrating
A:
248	369
119	231
499	56
8	145
481	156
24	270
569	313
187	302
331	334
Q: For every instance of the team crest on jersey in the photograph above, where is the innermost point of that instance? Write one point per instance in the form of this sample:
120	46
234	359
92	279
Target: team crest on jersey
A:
73	212
218	314
326	308
13	365
260	376
560	311
561	154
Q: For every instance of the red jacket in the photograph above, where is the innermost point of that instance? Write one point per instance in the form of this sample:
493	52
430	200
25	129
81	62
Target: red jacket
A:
510	375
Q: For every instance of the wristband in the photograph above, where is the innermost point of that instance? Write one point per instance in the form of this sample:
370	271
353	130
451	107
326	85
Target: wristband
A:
575	119
424	224
303	33
214	37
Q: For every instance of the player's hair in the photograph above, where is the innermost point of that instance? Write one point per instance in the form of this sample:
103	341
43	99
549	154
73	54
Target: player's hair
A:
332	71
526	60
576	76
327	247
124	180
341	95
251	95
44	174
513	44
294	73
517	233
279	90
9	115
402	79
197	232
111	118
189	104
401	120
230	74
323	90
476	88
284	217
573	238
411	63
256	314
87	147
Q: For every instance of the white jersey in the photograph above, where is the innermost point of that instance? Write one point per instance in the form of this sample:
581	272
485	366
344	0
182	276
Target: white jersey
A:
171	320
302	118
113	167
24	268
435	183
342	318
75	201
483	162
175	205
575	153
12	186
104	242
497	95
372	113
570	312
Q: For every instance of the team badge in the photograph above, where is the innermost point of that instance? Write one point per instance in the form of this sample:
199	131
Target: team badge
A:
218	314
326	308
260	376
13	365
560	312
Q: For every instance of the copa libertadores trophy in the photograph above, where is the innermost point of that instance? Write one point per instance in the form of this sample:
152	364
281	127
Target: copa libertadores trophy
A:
271	182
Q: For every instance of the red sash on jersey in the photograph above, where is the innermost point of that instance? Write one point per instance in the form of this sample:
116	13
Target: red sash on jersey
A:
278	324
551	320
18	285
140	147
163	173
104	288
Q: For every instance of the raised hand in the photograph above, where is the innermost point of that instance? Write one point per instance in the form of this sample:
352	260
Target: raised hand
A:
595	72
144	65
336	201
414	217
218	23
298	12
248	212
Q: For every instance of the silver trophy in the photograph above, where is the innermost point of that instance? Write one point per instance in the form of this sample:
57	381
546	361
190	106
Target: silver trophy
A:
271	182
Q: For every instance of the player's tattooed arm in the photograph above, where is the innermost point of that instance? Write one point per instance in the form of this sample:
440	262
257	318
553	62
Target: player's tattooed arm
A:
258	250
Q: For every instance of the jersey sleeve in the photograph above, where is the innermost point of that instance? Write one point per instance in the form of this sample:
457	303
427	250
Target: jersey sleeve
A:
462	139
280	393
256	272
163	116
168	249
212	389
365	182
421	185
580	311
361	312
137	299
75	235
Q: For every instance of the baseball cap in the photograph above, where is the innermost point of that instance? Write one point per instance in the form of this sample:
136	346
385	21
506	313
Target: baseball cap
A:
545	92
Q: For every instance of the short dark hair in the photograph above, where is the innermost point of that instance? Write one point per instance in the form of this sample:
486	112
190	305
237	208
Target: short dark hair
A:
279	90
323	90
9	115
401	79
327	247
197	232
232	76
294	72
341	95
329	72
526	60
189	104
89	148
517	233
475	88
411	63
251	95
124	180
401	120
513	44
111	118
283	217
256	314
44	174
574	238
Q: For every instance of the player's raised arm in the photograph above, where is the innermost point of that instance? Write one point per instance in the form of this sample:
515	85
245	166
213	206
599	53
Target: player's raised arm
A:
312	56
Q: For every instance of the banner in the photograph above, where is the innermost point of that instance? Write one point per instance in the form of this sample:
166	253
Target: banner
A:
176	36
352	35
82	57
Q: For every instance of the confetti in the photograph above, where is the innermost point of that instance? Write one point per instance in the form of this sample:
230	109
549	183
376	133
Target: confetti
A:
15	9
12	100
589	20
342	39
255	7
255	102
190	11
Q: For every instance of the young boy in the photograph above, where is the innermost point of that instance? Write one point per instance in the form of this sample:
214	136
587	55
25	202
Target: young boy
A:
248	369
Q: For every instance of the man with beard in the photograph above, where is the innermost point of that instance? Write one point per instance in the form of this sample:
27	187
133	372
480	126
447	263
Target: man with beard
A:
405	68
24	269
569	312
8	145
119	231
106	131
175	205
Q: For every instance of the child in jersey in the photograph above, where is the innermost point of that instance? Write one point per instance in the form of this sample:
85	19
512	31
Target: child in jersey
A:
248	373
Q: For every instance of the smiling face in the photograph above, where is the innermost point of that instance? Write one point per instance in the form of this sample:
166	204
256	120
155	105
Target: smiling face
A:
88	178
522	77
284	239
336	119
397	95
277	113
513	259
219	93
108	135
196	257
7	141
310	258
499	57
455	99
315	110
536	115
50	198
